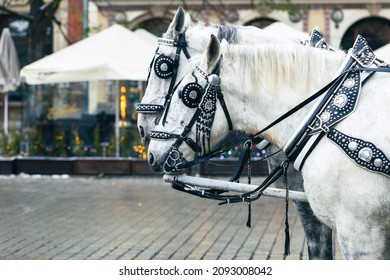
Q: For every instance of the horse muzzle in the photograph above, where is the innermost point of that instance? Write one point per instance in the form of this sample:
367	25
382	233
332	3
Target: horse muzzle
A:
174	162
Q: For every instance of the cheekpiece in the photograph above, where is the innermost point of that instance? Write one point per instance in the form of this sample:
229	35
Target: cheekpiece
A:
163	67
191	95
205	120
362	52
362	152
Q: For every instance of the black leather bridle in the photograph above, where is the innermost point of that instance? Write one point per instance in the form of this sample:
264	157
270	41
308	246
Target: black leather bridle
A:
203	119
165	68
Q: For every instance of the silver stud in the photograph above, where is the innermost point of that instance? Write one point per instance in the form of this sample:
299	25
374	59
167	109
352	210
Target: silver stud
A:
352	145
213	79
378	162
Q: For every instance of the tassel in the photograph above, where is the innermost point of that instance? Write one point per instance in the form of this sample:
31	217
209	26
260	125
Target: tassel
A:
249	221
286	233
286	224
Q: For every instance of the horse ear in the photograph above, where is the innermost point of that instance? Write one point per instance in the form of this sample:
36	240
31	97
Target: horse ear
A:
213	52
178	24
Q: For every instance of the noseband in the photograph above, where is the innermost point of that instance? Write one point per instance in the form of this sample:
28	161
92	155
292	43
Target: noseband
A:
204	100
165	67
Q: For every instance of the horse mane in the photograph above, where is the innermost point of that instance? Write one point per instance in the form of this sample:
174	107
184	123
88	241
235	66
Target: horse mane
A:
228	33
282	64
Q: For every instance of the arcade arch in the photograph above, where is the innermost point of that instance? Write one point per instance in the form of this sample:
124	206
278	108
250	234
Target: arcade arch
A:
375	29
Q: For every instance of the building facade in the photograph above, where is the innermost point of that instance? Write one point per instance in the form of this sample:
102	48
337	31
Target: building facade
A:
339	21
59	120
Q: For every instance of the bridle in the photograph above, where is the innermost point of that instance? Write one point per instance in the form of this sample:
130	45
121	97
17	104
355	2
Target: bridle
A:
204	99
165	68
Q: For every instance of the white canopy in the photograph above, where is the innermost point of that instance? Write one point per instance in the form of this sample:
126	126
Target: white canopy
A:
115	53
146	35
283	29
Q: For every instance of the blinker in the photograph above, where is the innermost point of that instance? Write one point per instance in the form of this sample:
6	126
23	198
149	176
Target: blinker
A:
191	95
163	67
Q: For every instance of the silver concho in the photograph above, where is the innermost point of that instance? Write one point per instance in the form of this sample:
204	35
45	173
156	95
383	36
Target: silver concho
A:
365	154
193	94
213	79
164	67
352	145
208	105
340	100
349	83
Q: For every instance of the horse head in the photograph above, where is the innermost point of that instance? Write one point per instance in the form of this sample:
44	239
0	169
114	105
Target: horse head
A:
171	62
164	72
184	132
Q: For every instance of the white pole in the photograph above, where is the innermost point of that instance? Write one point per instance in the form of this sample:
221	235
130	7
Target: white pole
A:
117	151
234	187
85	18
5	113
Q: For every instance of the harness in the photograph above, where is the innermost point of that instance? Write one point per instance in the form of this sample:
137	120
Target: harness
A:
165	68
337	100
337	103
204	100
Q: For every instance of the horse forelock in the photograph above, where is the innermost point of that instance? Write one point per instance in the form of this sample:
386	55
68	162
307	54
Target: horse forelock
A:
228	33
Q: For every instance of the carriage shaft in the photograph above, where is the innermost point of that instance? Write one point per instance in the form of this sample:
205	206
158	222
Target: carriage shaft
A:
233	187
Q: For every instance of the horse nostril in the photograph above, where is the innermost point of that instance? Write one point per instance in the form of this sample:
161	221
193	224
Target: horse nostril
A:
141	131
151	158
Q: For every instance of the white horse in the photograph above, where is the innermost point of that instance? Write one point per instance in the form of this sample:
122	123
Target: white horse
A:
319	236
260	83
196	37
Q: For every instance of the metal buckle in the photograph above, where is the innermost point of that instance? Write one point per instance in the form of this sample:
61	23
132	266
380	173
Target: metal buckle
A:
321	126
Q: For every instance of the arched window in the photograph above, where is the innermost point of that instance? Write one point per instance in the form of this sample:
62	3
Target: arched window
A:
260	22
376	30
156	26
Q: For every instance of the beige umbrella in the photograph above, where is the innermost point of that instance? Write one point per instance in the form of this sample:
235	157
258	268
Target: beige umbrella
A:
9	70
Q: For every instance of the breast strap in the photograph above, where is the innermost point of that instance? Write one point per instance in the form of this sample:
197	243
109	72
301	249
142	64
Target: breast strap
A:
336	104
363	153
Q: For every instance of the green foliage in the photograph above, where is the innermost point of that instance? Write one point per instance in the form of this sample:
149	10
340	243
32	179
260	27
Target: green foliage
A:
10	143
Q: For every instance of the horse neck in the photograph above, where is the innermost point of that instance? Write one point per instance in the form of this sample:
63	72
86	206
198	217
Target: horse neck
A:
284	77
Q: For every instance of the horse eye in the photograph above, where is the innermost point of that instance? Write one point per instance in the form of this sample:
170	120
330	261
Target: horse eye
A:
157	120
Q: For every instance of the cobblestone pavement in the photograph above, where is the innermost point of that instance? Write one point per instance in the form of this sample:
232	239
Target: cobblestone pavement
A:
142	218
